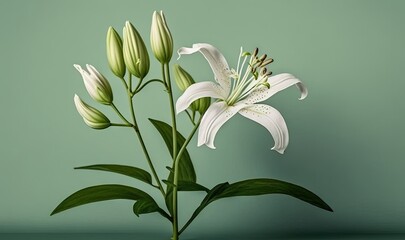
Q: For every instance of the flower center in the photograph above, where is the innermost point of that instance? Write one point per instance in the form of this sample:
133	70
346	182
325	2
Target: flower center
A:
246	79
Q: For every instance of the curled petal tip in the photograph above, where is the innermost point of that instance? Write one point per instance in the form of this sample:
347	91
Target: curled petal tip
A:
78	67
211	146
281	151
303	90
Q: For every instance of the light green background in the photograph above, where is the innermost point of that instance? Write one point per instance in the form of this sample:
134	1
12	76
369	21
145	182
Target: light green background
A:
346	138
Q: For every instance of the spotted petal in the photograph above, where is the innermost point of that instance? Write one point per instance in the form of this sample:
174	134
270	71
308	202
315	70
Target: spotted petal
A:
215	116
272	120
277	83
217	61
199	90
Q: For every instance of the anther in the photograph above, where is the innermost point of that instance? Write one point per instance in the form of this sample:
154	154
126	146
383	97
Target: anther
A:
255	52
268	74
266	62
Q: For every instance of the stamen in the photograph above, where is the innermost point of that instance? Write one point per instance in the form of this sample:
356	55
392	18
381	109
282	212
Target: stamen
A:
240	55
255	52
266	62
250	78
264	56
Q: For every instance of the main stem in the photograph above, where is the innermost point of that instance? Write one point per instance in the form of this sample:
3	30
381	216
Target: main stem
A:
166	79
183	148
138	133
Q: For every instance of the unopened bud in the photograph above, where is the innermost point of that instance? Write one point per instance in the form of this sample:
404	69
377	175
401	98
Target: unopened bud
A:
134	50
160	38
96	84
91	116
114	53
204	104
182	78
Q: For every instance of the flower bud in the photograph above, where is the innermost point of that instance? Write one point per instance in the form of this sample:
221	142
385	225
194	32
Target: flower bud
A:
114	53
160	38
183	79
204	104
96	84
135	54
91	116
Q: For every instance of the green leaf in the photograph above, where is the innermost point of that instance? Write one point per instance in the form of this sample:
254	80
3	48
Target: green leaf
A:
186	168
169	200
190	186
130	171
144	206
262	186
148	205
168	183
100	193
209	198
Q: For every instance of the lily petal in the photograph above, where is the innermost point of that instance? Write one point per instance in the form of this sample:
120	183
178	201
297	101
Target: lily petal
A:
199	90
272	120
216	115
277	83
216	60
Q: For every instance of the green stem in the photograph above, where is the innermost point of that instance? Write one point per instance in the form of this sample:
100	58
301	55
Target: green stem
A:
176	165
138	89
121	125
166	80
145	151
172	111
138	133
124	82
190	117
120	115
137	86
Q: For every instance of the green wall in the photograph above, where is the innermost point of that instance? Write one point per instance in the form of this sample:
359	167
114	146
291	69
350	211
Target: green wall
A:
346	138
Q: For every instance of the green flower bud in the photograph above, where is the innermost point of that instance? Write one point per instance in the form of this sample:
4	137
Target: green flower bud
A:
114	53
96	84
91	116
183	79
204	104
160	38
135	54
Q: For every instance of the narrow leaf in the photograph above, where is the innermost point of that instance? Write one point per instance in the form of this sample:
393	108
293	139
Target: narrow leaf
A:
210	197
262	186
190	186
130	171
100	193
168	183
253	187
144	206
186	168
148	205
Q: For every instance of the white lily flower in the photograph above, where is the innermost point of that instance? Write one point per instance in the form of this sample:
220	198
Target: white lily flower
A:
96	84
238	91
